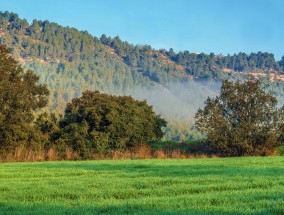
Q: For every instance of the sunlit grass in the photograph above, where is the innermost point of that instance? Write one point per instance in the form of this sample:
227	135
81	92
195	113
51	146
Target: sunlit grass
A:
253	185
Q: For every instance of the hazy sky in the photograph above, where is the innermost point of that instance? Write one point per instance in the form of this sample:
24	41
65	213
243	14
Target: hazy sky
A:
219	26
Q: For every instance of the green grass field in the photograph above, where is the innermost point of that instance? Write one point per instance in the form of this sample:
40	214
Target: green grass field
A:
252	185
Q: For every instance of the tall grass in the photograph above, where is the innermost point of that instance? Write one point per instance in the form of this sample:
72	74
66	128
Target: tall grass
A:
139	152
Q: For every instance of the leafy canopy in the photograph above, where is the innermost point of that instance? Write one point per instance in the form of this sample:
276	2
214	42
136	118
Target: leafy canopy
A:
243	120
20	96
101	122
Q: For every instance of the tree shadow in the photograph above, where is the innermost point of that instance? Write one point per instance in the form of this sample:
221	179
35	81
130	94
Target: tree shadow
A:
123	209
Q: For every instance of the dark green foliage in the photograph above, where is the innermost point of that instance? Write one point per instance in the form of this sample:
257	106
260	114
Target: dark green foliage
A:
192	147
200	147
20	96
76	136
48	125
102	122
243	120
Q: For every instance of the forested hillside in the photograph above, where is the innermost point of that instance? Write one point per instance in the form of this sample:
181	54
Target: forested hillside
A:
176	84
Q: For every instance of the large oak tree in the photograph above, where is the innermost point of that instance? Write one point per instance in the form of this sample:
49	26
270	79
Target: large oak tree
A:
243	120
98	121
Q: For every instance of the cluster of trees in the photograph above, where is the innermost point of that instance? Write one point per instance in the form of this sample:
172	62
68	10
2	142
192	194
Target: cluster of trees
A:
94	122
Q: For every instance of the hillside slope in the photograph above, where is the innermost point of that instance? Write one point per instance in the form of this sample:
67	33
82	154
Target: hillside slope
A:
176	84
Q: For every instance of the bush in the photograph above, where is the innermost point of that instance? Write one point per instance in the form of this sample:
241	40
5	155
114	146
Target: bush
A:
100	122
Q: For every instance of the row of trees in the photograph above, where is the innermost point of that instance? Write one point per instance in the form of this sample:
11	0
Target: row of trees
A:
194	62
199	64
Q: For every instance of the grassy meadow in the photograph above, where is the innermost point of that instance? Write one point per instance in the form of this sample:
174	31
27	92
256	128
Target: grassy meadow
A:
248	185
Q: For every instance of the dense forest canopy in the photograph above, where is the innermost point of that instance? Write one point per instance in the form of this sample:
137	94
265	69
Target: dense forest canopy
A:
69	62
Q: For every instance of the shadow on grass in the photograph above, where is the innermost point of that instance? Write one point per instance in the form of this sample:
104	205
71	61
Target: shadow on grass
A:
124	209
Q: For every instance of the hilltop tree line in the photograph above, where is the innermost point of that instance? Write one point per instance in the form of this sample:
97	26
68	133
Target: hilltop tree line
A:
70	62
211	65
197	64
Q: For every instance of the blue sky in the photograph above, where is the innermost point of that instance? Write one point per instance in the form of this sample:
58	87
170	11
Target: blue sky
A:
219	26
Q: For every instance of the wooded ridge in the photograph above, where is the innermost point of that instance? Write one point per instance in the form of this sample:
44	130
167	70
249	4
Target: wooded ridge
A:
70	61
